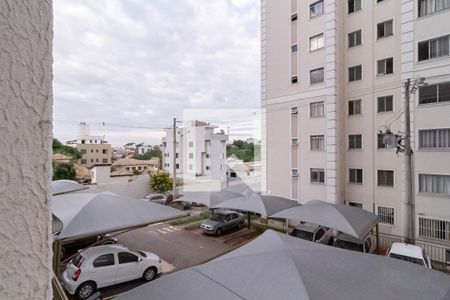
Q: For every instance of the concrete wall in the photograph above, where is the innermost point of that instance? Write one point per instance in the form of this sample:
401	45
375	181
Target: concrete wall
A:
25	148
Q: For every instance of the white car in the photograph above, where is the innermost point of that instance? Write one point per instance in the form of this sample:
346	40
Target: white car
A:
411	253
102	266
314	233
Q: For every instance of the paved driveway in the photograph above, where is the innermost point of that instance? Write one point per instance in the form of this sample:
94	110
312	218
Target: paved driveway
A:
178	247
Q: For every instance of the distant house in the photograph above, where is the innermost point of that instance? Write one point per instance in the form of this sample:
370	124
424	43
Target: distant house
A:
61	158
126	166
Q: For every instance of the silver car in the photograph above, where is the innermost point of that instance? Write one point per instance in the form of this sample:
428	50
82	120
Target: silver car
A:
222	221
314	233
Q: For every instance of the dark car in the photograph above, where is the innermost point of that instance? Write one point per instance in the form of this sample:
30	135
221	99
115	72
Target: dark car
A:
222	221
365	245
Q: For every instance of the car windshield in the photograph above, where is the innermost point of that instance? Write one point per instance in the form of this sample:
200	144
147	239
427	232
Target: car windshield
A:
414	260
217	217
303	234
349	245
78	260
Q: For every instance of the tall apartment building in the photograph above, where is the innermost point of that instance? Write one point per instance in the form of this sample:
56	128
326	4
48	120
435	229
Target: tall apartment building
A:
199	151
332	80
95	150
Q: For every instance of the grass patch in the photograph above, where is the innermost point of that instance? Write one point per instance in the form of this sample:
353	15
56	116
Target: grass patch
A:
190	219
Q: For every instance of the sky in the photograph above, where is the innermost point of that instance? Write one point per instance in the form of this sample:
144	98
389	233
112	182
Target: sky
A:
127	68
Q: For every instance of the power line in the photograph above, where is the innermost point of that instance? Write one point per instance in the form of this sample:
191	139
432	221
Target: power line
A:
105	124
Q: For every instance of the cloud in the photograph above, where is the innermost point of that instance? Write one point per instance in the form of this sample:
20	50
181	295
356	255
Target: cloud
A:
140	62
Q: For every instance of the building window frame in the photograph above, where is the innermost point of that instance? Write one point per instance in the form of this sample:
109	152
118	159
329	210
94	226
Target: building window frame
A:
434	228
355	176
385	104
316	42
436	97
312	7
434	139
317	76
434	184
317	175
317	109
385	29
354	6
355	73
354	107
384	177
423	9
385	66
354	38
317	142
386	214
355	141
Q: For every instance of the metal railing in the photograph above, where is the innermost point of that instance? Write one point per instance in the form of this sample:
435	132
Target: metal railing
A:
58	291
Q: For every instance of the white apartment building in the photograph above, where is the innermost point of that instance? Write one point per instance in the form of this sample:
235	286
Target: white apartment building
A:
332	80
200	152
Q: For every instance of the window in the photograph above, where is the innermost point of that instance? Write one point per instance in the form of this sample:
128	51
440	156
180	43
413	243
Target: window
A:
317	142
83	161
385	178
384	29
294	48
434	93
96	150
355	204
316	76
316	9
294	110
191	144
386	214
378	1
128	168
355	175
105	160
354	107
433	48
126	257
176	155
316	109
354	38
434	138
294	141
354	5
190	166
191	155
316	42
355	73
434	184
294	17
385	103
92	150
317	175
83	151
434	229
177	166
427	7
294	79
104	261
383	142
207	155
133	168
96	160
92	160
294	173
207	168
354	141
105	151
385	66
139	168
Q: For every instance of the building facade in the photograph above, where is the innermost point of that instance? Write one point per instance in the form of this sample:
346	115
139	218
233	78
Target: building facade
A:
200	152
94	150
333	75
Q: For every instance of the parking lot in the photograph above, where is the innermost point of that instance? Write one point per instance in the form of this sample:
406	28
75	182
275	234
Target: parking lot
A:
179	247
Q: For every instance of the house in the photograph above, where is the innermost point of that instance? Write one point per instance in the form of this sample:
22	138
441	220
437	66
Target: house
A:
126	166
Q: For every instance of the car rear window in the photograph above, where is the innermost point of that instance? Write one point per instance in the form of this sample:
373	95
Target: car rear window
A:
414	260
349	245
78	260
302	234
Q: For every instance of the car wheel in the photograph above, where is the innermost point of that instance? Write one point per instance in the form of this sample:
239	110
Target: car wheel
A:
219	231
85	290
149	274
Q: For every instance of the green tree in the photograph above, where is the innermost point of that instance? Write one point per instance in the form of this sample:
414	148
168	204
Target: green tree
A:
161	182
63	171
58	147
244	151
154	152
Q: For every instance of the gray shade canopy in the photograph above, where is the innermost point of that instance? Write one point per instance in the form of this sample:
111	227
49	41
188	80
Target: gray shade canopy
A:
278	266
353	221
88	214
260	204
209	199
242	189
66	186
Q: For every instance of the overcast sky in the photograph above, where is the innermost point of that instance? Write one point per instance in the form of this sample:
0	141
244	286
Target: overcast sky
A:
139	63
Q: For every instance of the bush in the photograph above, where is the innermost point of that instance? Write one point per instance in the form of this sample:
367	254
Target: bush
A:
161	182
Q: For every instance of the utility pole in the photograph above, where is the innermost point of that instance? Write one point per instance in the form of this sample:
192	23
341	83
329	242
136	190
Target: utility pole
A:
174	161
408	164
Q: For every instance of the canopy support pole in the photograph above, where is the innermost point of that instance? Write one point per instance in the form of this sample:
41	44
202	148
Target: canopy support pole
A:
56	256
378	239
248	220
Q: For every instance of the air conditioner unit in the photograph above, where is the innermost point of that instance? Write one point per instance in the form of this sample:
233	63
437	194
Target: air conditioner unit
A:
294	172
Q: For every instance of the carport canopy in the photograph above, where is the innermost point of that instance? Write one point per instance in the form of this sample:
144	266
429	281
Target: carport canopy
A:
66	186
278	266
353	221
209	199
89	214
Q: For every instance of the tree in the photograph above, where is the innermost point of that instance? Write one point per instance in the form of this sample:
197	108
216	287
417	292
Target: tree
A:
154	152
244	150
58	147
161	182
63	171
